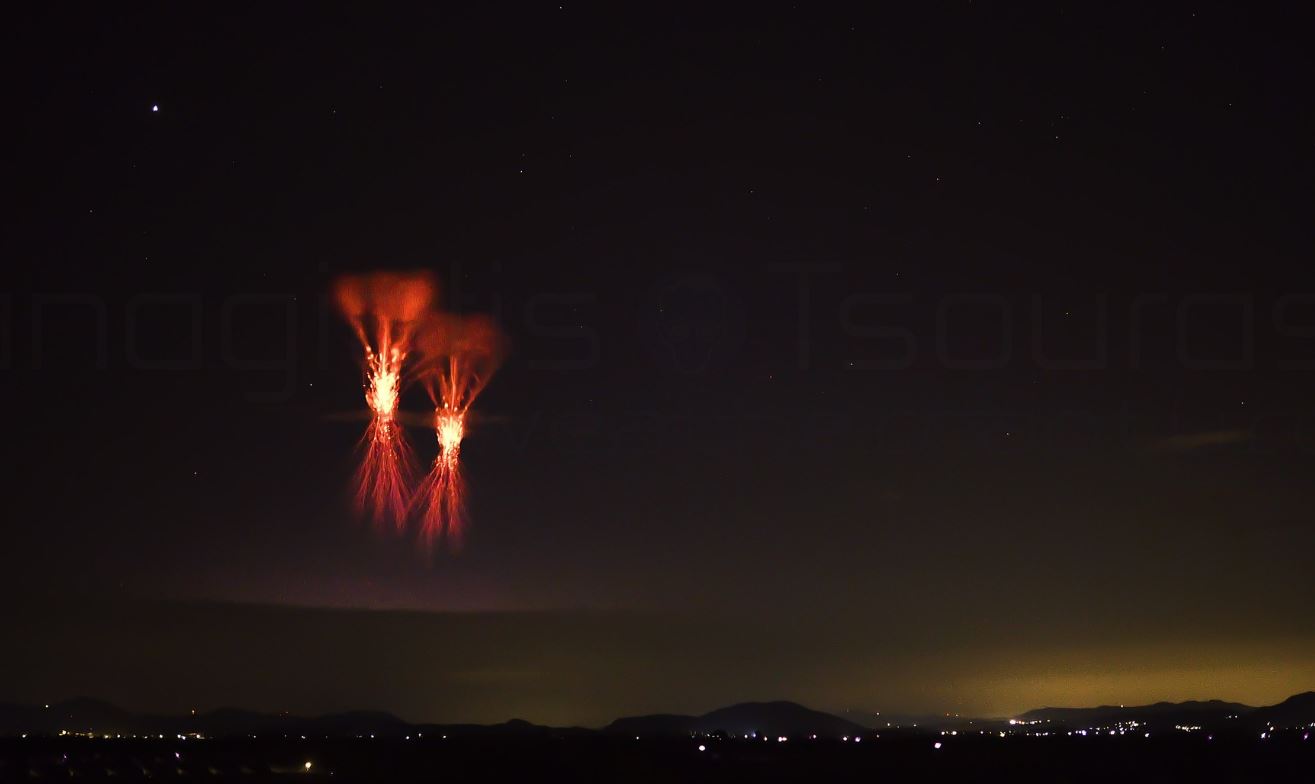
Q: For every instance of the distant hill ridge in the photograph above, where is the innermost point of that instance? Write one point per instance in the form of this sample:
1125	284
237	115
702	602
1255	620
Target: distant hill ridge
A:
1296	710
85	715
762	718
1192	709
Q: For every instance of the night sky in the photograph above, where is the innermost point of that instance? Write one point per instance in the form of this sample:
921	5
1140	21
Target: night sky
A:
953	358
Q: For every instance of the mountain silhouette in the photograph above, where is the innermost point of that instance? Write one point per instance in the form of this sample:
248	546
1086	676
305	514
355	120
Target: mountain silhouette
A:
1192	712
763	718
1296	711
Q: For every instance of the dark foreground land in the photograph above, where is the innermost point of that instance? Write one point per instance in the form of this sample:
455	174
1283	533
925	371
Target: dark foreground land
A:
601	758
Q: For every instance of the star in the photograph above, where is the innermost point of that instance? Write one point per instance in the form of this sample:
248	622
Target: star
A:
155	107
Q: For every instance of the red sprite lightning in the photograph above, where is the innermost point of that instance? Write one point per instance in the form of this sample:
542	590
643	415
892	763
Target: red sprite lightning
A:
465	352
385	309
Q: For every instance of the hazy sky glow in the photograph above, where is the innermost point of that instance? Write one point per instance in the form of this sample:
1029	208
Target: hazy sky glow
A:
588	668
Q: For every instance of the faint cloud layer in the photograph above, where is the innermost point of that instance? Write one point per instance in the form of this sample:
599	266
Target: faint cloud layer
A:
1188	442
